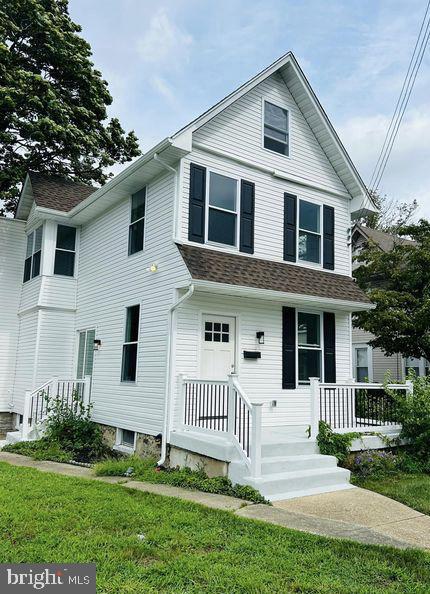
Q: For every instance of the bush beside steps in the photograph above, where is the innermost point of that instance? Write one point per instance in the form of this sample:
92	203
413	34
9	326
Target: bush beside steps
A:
145	469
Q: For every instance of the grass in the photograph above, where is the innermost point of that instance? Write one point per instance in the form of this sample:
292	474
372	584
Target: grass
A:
410	489
187	548
144	469
41	449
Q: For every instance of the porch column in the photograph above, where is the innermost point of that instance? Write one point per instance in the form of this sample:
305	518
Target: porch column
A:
315	405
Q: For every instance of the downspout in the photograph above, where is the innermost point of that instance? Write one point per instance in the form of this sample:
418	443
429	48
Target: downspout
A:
168	391
177	190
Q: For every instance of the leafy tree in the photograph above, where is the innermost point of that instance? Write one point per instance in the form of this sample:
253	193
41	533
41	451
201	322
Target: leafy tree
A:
52	101
398	283
391	214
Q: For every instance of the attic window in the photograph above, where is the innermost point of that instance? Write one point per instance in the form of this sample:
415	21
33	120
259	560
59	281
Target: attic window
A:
276	124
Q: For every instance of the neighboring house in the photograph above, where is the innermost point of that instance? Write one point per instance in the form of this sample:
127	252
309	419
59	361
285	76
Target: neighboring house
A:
371	364
223	249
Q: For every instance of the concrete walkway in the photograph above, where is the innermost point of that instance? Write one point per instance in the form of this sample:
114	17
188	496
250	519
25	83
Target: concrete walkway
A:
354	514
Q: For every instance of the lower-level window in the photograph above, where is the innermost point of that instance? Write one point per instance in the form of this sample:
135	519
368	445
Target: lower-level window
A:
126	438
419	366
129	349
361	364
309	346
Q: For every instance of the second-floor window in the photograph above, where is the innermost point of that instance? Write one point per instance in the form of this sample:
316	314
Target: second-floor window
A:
129	349
223	209
137	222
33	254
65	248
310	232
276	136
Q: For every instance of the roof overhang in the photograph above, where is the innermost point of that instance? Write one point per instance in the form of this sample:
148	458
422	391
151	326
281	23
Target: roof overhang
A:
25	200
296	300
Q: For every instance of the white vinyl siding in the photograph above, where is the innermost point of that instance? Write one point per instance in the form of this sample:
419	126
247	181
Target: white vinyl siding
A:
260	378
380	363
269	209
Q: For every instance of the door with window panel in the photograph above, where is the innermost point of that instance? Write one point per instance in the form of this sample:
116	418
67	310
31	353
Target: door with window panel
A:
218	347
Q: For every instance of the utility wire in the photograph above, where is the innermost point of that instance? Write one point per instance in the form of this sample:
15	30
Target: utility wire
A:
402	102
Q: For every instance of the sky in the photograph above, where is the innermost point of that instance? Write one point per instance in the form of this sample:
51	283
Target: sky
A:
167	61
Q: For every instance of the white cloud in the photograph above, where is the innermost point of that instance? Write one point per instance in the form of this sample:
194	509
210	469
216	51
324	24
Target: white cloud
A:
164	43
163	88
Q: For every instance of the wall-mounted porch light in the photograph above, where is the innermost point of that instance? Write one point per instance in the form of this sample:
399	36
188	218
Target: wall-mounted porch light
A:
97	344
260	337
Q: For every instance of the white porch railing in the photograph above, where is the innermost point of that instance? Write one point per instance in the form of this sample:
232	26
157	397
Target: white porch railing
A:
353	406
221	406
36	401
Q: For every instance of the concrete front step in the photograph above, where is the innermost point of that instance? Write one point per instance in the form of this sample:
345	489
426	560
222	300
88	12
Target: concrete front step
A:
277	484
13	437
276	464
296	447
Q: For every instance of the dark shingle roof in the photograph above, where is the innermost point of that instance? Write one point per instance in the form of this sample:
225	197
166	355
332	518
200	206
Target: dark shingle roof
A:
58	193
386	241
232	269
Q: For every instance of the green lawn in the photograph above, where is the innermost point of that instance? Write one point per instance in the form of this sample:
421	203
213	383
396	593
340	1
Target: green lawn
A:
410	489
187	548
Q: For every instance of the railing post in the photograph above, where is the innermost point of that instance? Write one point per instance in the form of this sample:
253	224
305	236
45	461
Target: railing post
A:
315	405
87	390
231	408
54	388
256	440
26	415
409	388
181	400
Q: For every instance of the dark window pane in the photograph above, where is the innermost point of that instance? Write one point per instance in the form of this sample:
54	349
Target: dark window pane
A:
138	205
308	329
225	337
275	145
309	247
208	326
66	237
275	116
127	437
36	265
309	364
30	239
217	326
217	337
27	269
222	191
38	239
129	359
275	134
132	324
208	336
222	227
362	374
309	216
135	237
64	263
225	327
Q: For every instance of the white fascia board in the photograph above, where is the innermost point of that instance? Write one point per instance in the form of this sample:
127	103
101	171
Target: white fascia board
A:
270	295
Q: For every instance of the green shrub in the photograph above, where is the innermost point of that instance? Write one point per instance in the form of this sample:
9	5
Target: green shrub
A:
41	449
334	444
145	469
414	416
374	463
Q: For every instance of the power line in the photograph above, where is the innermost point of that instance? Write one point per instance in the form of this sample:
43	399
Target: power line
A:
402	102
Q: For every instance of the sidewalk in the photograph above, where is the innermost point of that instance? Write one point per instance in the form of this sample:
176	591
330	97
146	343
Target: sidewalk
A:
354	514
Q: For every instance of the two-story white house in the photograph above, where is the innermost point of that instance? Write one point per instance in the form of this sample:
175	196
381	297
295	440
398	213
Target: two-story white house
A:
199	291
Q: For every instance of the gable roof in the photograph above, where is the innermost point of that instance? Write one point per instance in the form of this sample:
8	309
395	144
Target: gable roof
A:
53	192
314	114
385	241
221	267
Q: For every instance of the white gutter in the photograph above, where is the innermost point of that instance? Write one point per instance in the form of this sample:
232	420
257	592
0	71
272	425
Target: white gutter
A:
167	396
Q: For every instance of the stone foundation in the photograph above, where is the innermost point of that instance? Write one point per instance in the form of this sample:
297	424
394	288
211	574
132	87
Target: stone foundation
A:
6	423
147	446
186	459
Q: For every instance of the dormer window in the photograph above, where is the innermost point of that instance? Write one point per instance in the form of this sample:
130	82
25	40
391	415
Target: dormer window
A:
276	135
33	254
65	251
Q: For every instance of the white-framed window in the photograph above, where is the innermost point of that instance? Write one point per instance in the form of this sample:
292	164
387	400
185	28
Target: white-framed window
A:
33	254
419	366
125	440
136	230
129	349
309	346
309	235
222	209
65	251
362	354
276	135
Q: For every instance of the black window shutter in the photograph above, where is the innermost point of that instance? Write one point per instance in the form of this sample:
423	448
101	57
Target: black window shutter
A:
328	237
290	227
196	216
247	207
329	347
288	348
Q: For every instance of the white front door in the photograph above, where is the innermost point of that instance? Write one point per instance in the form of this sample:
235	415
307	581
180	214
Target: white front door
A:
218	347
